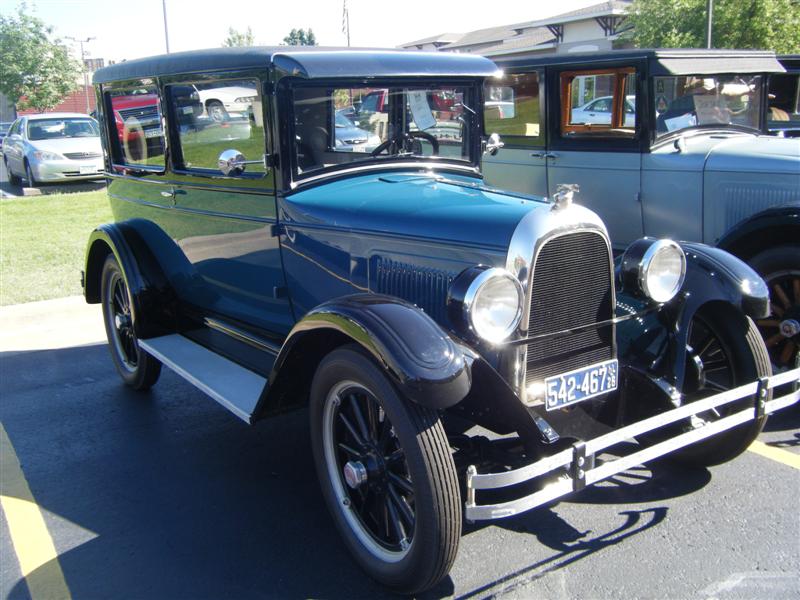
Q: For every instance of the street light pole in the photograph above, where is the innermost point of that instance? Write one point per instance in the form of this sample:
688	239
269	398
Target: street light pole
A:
710	16
166	32
83	68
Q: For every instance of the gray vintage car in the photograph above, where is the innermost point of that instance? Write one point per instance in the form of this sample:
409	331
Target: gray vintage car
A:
697	163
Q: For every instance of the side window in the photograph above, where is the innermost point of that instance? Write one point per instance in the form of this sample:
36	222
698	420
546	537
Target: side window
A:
136	133
598	103
218	116
511	108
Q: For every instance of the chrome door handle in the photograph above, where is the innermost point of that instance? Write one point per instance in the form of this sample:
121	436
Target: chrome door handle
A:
543	155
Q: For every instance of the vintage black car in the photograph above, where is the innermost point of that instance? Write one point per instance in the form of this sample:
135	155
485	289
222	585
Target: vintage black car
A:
464	352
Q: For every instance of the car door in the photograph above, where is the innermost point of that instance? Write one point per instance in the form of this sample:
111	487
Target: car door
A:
602	154
514	108
228	219
14	147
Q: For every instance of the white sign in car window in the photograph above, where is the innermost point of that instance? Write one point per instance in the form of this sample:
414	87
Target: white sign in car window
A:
681	122
420	109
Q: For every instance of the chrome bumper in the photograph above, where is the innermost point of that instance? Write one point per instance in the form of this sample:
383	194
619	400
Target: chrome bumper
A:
579	459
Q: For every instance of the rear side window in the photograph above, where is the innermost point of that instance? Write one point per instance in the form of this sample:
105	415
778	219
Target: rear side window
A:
215	117
511	108
600	103
136	127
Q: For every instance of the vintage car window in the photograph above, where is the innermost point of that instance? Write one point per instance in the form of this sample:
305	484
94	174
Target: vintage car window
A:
707	100
783	111
334	127
137	136
599	103
511	108
218	116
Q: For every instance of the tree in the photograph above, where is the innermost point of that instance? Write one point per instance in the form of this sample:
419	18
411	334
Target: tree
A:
34	67
300	37
239	38
759	24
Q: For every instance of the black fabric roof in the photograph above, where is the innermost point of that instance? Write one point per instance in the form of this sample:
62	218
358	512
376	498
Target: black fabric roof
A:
665	61
303	61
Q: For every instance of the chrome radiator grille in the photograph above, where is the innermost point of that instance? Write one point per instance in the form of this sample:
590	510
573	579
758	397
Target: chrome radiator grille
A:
571	287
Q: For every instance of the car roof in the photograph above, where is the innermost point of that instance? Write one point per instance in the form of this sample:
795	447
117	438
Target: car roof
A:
665	61
57	115
303	61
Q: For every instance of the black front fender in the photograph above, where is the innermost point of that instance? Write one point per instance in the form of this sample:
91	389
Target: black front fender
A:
423	361
715	279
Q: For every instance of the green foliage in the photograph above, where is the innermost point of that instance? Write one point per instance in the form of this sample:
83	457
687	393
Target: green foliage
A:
300	37
757	24
34	66
239	38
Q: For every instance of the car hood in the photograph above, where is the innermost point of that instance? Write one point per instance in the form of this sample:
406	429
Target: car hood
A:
442	207
761	154
62	145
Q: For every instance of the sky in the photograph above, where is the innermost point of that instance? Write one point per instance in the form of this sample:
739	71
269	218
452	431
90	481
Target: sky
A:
135	28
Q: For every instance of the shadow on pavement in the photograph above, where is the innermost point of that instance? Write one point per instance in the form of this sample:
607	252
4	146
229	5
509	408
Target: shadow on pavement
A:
166	495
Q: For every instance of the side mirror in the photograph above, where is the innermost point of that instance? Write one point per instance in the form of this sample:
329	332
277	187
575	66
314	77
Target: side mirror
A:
493	144
232	163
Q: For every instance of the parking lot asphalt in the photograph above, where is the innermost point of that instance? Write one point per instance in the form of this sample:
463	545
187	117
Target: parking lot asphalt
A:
167	495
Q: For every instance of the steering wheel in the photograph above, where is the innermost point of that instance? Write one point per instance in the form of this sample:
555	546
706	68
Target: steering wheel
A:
402	141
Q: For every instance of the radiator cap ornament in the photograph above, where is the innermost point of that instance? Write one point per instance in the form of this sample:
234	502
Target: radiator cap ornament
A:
563	196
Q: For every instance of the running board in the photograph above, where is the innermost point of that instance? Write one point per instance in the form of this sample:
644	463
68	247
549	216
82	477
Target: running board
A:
236	388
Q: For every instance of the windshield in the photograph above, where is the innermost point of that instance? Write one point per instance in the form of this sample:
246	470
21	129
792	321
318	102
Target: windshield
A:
693	101
336	127
49	129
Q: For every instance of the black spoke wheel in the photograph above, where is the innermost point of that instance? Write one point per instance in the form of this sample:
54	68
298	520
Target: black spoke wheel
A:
780	268
137	368
723	352
386	472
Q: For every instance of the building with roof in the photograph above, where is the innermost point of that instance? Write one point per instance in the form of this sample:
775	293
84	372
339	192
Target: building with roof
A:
595	27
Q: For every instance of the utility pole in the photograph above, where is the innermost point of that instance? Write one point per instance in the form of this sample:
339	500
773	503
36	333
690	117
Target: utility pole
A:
346	21
83	68
710	15
166	32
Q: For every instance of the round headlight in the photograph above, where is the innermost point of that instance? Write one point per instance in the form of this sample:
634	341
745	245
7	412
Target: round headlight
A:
494	302
662	270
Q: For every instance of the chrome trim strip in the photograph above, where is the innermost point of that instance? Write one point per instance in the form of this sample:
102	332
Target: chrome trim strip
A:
410	165
539	226
569	482
242	336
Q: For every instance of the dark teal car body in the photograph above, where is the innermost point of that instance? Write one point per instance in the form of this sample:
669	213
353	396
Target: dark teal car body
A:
252	274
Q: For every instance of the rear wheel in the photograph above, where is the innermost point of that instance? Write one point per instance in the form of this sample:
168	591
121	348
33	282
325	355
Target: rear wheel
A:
386	472
721	354
137	368
216	111
12	178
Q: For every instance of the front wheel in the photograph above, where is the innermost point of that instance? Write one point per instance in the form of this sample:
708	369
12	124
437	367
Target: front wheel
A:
29	175
386	472
137	368
722	354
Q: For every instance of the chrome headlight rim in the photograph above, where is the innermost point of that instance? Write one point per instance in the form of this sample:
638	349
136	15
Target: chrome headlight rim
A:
645	264
472	293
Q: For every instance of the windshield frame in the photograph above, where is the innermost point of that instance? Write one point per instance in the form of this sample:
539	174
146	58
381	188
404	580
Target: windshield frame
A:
659	138
295	177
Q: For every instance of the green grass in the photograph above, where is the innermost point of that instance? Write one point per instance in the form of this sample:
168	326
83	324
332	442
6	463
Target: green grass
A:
42	244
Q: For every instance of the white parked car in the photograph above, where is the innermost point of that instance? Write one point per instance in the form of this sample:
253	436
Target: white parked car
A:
53	147
222	102
599	111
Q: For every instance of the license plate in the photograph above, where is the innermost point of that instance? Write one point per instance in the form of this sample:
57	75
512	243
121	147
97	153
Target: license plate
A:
151	133
580	384
88	170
